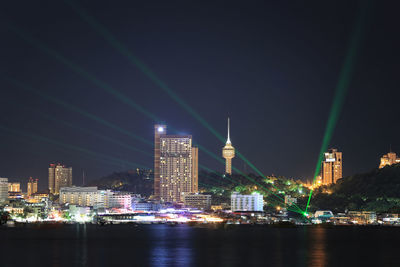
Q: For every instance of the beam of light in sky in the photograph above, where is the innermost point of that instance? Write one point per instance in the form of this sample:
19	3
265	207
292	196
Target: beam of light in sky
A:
150	74
83	130
103	157
343	84
73	108
103	85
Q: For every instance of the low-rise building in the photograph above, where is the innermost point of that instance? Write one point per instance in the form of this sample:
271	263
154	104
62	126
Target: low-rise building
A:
197	201
253	202
145	206
80	196
362	217
119	200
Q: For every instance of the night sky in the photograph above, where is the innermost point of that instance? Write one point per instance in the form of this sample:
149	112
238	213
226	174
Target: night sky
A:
272	67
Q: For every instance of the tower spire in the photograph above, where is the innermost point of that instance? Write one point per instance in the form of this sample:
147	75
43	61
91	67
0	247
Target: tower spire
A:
228	141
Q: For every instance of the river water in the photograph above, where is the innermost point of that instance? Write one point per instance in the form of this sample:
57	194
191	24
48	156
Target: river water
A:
183	245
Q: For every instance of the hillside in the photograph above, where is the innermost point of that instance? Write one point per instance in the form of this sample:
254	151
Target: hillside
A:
377	190
377	183
137	181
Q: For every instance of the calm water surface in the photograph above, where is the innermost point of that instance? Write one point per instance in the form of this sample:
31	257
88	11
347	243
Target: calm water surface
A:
183	245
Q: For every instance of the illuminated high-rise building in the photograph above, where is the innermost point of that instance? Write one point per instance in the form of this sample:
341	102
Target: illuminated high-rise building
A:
59	176
3	190
228	152
32	187
389	159
14	187
159	131
175	166
195	169
331	169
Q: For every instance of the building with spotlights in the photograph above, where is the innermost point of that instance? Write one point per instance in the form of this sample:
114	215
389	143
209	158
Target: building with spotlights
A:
253	202
175	165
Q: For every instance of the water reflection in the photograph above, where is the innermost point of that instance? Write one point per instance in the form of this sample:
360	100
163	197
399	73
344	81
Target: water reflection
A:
171	246
317	251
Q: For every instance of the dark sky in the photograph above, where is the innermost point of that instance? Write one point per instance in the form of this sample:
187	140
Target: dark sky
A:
272	66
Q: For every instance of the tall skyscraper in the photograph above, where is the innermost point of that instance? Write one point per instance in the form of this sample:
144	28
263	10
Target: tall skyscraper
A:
228	152
175	165
159	130
195	168
389	159
32	187
3	190
59	176
331	168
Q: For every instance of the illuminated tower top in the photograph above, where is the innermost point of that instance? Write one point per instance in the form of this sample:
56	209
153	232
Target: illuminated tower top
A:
228	152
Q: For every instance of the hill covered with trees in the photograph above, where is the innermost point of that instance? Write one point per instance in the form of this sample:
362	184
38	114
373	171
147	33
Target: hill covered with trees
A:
138	181
377	190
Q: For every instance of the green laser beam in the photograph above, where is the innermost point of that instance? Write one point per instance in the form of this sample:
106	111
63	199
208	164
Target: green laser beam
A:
343	85
79	70
73	147
83	130
73	108
150	74
41	46
119	95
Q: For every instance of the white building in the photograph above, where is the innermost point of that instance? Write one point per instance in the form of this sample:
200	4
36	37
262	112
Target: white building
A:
253	202
198	201
3	190
80	196
119	200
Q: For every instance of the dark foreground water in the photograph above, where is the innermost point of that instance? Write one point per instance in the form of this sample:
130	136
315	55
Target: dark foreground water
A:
183	245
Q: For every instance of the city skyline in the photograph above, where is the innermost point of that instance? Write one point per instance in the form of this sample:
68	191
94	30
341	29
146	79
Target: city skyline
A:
53	118
196	133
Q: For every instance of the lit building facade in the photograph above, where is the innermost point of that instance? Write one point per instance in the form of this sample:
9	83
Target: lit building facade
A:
14	187
198	201
331	169
80	196
228	153
3	190
253	202
119	200
59	176
159	131
195	168
32	186
389	159
175	165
